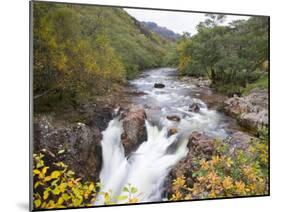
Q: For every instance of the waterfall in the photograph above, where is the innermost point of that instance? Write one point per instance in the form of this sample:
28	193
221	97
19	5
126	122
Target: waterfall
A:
145	169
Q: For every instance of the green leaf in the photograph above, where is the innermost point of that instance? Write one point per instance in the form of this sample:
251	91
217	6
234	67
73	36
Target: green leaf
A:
134	190
56	191
35	172
125	189
65	196
55	174
60	201
37	203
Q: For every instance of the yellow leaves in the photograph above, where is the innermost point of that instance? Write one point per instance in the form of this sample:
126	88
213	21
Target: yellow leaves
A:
65	197
106	198
176	195
215	160
228	162
204	164
213	178
46	194
37	203
55	174
227	183
134	200
60	201
91	187
179	182
37	172
41	174
44	170
249	172
240	187
60	189
223	176
70	183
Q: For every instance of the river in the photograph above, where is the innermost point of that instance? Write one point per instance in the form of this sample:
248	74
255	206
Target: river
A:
148	166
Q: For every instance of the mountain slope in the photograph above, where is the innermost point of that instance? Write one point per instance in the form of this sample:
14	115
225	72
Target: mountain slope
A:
162	31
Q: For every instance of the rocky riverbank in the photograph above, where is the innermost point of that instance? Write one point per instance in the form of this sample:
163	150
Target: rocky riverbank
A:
78	145
77	142
251	111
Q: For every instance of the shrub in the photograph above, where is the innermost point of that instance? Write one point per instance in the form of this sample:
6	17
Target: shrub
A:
241	174
59	187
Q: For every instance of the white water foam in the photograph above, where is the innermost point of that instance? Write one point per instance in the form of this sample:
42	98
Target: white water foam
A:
145	169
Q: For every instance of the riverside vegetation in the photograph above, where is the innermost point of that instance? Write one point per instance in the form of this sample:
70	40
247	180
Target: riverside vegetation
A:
83	54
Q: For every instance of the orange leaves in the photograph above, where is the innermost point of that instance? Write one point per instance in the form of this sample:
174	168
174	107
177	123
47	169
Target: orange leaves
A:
204	164
227	183
224	176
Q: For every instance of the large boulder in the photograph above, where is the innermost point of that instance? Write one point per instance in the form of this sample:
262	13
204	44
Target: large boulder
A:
251	111
78	145
134	128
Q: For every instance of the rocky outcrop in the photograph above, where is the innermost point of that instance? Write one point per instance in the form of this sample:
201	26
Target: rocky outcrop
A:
134	128
78	145
251	111
159	85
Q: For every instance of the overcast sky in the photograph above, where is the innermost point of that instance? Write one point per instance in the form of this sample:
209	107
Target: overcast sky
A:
177	21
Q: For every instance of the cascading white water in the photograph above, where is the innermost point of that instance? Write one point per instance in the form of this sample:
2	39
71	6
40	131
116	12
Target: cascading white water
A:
145	168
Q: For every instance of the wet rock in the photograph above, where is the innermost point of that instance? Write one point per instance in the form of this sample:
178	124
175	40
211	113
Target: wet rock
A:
134	129
97	116
172	131
251	111
159	85
194	107
173	118
78	145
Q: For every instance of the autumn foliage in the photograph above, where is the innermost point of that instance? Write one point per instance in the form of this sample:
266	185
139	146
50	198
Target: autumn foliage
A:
239	174
57	186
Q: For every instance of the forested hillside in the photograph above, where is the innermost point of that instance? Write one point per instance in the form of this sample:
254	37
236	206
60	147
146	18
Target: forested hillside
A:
82	51
233	57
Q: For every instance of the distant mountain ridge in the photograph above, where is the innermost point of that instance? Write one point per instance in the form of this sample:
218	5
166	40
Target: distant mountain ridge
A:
162	31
